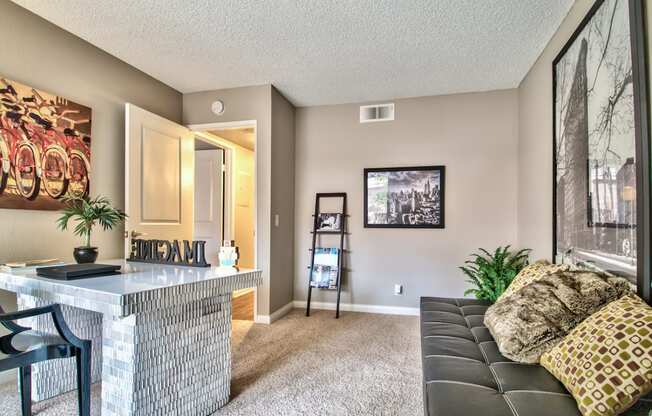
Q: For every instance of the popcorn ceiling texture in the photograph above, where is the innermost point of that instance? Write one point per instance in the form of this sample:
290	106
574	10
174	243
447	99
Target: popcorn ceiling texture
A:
318	53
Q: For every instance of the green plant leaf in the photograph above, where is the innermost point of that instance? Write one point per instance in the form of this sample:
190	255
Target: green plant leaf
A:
86	213
491	273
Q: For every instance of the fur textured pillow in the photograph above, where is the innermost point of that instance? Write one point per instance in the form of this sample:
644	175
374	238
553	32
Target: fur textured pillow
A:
535	318
532	273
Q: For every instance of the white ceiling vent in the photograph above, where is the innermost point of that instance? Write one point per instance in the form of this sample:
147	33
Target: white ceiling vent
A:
376	112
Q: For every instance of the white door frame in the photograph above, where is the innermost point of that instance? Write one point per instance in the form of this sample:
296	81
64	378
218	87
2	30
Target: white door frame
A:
228	192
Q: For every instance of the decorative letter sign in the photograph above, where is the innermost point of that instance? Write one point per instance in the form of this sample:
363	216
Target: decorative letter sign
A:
169	252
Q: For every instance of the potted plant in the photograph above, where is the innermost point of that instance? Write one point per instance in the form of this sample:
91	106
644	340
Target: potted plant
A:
491	273
87	213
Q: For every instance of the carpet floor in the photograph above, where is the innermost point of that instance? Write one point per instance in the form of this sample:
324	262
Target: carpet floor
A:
361	364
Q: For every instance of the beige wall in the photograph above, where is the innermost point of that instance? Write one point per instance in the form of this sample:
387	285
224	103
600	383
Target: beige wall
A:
44	56
473	135
535	139
274	177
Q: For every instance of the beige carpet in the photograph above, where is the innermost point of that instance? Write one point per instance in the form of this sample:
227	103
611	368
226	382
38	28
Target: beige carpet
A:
361	364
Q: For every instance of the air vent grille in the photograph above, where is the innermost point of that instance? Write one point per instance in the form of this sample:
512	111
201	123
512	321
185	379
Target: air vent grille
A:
376	112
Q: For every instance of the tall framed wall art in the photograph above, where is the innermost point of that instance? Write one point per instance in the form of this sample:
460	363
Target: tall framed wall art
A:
601	172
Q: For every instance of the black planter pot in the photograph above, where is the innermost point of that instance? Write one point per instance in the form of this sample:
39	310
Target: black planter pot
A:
85	254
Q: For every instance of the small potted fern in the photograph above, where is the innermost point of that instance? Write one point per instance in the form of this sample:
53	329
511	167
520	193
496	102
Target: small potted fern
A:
491	273
88	212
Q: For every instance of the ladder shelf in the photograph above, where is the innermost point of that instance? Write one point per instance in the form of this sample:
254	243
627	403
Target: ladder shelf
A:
315	232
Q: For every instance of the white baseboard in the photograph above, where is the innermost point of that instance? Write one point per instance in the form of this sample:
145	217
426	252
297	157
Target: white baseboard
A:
352	307
276	315
9	376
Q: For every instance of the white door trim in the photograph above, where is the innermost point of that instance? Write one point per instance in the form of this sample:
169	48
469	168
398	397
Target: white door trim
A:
228	193
224	125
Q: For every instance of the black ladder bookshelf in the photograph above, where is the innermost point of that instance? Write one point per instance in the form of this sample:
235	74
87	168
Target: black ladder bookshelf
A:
341	233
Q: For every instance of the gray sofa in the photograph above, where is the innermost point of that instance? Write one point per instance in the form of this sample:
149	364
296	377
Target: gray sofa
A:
464	373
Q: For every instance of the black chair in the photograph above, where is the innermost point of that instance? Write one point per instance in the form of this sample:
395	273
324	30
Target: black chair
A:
25	347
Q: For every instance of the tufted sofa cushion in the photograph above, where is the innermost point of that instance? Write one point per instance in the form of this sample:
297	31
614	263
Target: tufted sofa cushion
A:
465	374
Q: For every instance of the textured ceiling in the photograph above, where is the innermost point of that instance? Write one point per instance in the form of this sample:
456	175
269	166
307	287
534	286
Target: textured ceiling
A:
319	52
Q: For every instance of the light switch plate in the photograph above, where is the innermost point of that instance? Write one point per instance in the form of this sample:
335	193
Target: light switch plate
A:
398	289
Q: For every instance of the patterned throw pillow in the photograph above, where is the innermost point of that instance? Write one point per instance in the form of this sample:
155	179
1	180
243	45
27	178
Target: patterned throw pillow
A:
606	361
533	272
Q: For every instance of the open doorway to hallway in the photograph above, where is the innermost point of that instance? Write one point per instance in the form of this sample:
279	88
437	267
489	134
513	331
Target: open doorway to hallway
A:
225	200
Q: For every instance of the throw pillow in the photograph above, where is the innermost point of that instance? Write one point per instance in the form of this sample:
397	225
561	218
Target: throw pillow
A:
533	272
606	361
534	319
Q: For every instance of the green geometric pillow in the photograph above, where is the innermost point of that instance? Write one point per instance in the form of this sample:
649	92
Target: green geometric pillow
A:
605	362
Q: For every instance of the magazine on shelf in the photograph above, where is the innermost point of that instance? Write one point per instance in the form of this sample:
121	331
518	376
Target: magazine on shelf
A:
324	271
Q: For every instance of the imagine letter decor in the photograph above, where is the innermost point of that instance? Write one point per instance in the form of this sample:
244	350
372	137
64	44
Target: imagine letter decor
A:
169	252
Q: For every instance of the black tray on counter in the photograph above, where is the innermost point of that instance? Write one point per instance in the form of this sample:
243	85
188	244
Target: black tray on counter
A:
78	271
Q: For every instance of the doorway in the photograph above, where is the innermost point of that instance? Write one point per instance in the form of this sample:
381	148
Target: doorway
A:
230	196
209	218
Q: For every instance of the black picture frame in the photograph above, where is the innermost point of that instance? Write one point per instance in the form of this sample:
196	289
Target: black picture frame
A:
442	193
641	136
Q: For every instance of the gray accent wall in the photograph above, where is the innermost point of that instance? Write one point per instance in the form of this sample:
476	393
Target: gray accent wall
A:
282	244
473	135
40	54
535	141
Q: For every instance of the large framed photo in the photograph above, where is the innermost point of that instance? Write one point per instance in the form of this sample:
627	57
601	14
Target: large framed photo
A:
601	144
410	197
45	148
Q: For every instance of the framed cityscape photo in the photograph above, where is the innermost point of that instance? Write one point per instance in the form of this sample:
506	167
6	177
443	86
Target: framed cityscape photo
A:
410	197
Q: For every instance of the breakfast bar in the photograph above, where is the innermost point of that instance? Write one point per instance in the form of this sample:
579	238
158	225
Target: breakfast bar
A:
160	334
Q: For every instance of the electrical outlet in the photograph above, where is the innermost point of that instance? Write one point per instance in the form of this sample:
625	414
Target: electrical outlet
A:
276	220
398	289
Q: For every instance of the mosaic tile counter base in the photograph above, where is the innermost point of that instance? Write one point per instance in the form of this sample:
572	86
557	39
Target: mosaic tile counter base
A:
84	324
161	351
176	360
